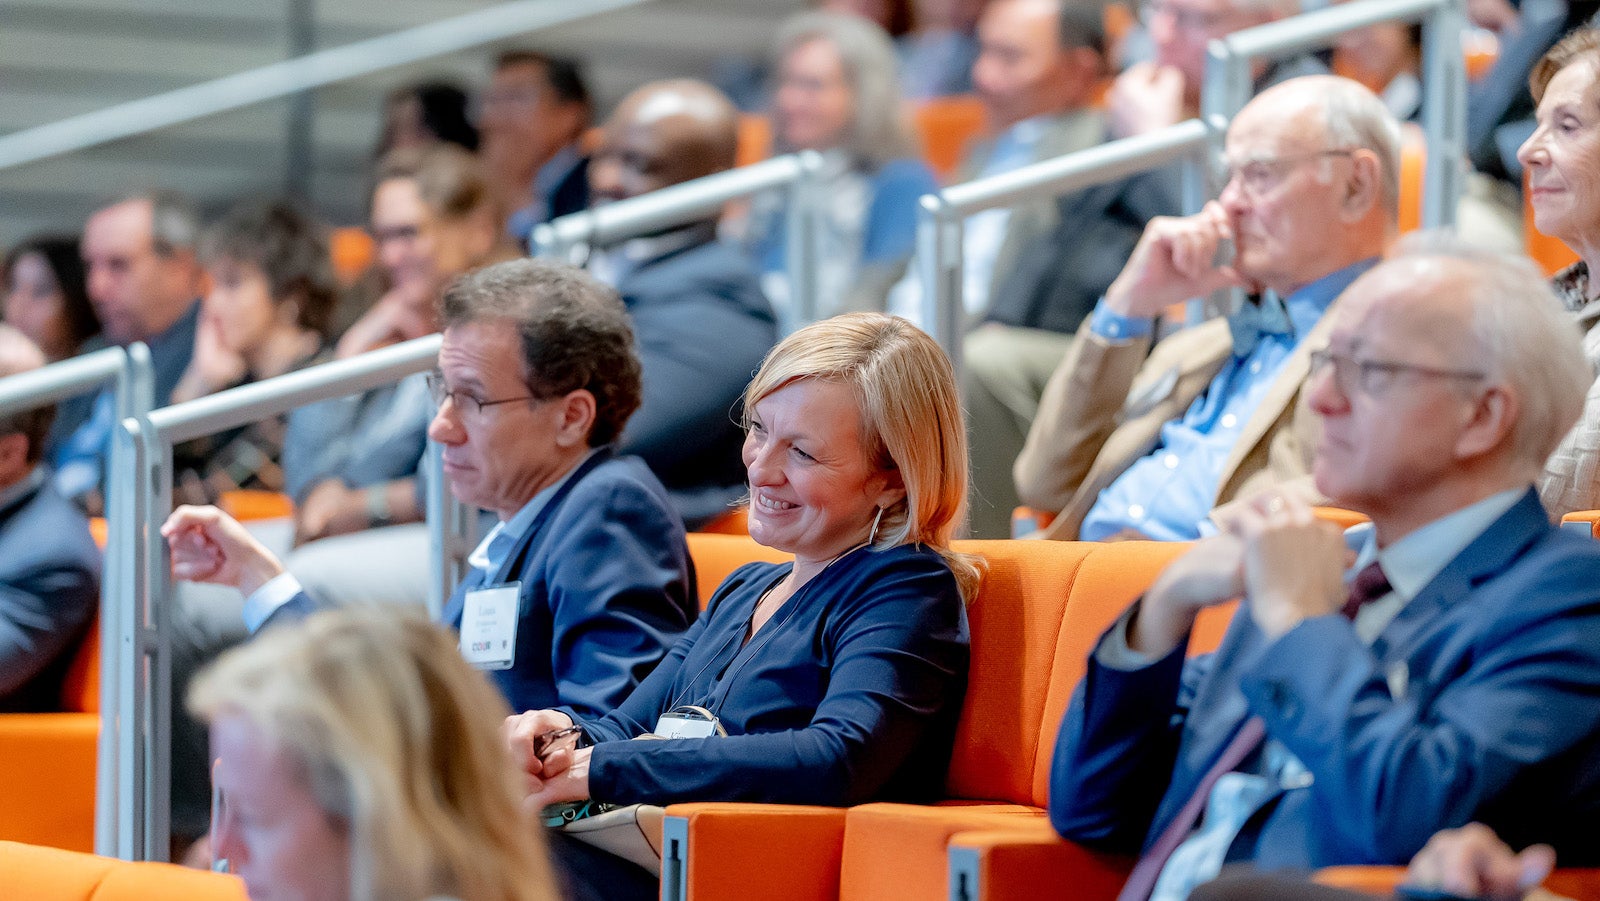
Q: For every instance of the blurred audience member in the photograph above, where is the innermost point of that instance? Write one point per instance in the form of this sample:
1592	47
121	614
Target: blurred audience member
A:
838	92
1443	674
1139	442
145	284
1387	58
702	322
936	57
49	566
1561	159
358	757
47	297
266	314
533	119
1163	91
350	463
1037	75
418	116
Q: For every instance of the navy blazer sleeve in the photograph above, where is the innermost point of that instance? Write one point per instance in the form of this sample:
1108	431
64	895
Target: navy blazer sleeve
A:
895	653
1448	747
615	572
1119	740
49	589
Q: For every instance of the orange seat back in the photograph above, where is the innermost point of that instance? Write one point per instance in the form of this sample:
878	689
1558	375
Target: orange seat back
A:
733	522
246	504
80	690
944	127
27	871
1015	619
755	139
1413	167
716	556
99	531
351	251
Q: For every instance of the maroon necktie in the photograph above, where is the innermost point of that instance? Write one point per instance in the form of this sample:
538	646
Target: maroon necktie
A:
1368	585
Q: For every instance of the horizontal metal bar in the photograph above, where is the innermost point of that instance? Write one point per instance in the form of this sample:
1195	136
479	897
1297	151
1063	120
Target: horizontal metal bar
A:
1095	165
270	397
281	79
675	205
59	381
1316	29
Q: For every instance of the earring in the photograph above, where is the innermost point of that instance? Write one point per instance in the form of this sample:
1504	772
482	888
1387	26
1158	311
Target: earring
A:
872	537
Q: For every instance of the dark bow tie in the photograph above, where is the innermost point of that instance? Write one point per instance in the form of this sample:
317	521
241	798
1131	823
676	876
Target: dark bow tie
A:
1260	314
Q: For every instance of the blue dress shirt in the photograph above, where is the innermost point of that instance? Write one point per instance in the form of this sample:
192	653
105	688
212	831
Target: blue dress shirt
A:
1170	491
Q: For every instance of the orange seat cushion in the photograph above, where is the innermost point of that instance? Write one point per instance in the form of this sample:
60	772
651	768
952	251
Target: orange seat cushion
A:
898	850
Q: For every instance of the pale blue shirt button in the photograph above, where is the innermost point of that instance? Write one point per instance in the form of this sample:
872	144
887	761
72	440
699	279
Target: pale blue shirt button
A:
1229	420
1170	461
1136	511
1255	368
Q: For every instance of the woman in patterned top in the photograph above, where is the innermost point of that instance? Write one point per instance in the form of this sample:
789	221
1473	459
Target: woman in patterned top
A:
272	289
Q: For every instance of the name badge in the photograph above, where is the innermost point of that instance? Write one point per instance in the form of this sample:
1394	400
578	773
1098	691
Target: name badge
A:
489	627
678	724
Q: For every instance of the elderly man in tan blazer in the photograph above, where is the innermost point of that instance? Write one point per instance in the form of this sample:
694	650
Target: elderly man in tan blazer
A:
1139	442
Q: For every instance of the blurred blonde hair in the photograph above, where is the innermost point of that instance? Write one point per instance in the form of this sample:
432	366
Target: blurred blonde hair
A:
398	738
905	388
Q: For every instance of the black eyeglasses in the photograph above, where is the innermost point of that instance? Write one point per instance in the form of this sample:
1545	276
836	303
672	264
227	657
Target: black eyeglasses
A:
1371	377
465	402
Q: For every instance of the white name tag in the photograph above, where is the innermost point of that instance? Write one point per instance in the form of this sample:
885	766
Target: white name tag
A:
685	725
489	627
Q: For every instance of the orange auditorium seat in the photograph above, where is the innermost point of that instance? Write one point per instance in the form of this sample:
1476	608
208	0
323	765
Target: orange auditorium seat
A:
1041	608
944	127
47	762
716	556
49	874
246	504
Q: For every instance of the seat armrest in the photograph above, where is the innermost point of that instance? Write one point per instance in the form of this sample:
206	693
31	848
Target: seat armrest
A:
1001	865
713	851
47	773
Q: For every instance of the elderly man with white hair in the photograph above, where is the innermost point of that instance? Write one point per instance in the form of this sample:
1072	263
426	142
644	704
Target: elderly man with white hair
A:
1451	678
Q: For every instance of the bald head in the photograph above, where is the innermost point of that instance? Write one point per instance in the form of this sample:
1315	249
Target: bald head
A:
21	434
661	134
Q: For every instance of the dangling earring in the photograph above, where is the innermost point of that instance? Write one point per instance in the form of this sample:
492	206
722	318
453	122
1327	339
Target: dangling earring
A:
872	537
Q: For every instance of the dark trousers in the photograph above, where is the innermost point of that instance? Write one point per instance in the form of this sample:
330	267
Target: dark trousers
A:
590	874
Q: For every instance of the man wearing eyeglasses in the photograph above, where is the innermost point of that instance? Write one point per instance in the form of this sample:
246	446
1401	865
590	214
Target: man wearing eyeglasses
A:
1450	678
584	584
1139	442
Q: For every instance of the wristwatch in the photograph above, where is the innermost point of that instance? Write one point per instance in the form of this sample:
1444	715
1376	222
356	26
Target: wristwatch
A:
378	512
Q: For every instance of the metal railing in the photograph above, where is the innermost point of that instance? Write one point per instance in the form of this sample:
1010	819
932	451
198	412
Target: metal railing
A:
145	790
293	76
1444	78
571	237
941	219
129	375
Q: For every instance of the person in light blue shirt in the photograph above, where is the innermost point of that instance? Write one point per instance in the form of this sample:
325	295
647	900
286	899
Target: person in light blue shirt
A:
1141	441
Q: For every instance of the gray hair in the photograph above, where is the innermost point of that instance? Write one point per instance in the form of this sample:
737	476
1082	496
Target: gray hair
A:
1355	117
878	130
1525	338
174	220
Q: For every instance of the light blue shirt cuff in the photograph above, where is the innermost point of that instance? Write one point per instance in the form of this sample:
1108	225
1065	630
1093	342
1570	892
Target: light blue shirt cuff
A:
1113	651
266	600
1114	327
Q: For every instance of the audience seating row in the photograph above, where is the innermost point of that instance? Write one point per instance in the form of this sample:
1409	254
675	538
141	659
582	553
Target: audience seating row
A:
50	874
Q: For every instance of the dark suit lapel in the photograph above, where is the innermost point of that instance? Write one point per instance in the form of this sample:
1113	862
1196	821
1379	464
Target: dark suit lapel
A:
1490	554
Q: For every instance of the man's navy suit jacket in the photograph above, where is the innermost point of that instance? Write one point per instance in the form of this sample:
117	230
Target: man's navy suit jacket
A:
606	590
49	589
1480	701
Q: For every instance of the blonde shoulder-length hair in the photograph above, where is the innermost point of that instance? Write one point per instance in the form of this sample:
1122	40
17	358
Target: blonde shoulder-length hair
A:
905	388
399	740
